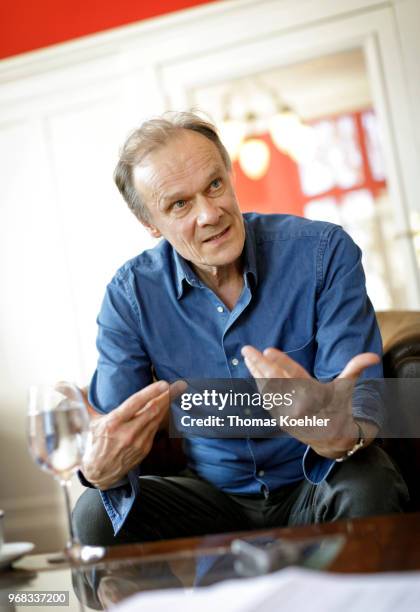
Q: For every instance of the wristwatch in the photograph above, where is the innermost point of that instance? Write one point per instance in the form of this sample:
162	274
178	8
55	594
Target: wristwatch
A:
359	444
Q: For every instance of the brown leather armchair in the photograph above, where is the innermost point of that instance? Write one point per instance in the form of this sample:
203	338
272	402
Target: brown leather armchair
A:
401	339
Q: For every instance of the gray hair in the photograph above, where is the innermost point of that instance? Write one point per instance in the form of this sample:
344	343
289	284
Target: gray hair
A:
151	135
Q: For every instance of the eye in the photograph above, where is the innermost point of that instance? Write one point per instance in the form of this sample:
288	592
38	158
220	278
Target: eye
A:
179	204
216	184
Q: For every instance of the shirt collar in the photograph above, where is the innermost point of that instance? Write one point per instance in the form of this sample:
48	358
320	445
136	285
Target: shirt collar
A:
250	253
184	273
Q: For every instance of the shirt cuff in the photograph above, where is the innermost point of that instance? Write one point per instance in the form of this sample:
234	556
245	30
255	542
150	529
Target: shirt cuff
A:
85	482
316	468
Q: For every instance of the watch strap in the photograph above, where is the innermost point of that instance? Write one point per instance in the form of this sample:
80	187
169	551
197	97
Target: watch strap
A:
357	446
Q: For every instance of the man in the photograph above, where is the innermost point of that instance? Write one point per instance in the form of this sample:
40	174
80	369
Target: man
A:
225	296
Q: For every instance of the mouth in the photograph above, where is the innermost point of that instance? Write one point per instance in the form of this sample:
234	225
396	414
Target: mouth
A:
218	236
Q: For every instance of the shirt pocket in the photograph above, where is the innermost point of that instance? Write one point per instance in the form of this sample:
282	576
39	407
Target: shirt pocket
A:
304	353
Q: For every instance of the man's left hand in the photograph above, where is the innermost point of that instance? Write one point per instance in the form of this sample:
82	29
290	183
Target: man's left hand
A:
321	400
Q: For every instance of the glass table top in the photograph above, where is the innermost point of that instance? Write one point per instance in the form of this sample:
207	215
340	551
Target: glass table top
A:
102	584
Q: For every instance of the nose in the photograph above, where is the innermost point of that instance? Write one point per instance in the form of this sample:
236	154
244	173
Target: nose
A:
208	211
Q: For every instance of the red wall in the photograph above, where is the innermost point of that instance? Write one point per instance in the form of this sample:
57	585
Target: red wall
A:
280	191
26	25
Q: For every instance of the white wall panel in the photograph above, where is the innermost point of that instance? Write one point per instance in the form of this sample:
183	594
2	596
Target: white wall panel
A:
37	323
100	233
64	230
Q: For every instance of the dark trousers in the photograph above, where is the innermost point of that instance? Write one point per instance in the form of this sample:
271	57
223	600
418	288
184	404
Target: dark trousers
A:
180	506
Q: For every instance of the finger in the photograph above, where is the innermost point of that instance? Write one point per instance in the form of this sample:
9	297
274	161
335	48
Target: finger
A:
255	362
258	365
156	406
176	388
139	400
143	421
291	368
70	391
159	405
355	366
267	366
145	437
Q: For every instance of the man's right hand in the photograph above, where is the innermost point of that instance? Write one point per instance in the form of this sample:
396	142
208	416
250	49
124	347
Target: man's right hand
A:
122	439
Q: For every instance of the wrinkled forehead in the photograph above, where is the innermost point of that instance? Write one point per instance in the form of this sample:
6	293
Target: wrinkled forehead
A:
188	159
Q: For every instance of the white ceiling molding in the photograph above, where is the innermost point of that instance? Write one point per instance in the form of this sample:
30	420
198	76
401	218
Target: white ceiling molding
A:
180	34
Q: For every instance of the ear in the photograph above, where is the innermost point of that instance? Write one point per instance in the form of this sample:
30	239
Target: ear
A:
152	229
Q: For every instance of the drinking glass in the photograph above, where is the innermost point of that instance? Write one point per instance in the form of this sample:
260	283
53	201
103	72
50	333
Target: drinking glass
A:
58	425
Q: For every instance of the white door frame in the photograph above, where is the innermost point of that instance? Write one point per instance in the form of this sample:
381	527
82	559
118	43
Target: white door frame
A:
372	30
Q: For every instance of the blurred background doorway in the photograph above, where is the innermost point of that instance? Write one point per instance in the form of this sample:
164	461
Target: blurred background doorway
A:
305	140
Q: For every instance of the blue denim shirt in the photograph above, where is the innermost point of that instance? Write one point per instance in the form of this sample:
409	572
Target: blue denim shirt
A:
304	293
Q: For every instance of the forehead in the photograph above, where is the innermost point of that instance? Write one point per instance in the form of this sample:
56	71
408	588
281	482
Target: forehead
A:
180	165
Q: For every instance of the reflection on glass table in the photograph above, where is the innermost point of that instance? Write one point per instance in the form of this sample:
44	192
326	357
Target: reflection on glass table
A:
106	584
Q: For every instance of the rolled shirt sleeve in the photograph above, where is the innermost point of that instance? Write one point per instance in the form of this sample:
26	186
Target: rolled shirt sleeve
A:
123	368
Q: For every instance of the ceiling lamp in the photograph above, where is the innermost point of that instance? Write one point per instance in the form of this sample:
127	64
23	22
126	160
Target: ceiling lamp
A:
283	127
251	109
291	136
232	133
254	158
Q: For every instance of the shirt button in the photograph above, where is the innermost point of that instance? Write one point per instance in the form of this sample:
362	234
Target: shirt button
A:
220	309
235	361
261	473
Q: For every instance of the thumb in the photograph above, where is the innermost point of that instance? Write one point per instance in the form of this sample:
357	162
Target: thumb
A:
359	363
133	404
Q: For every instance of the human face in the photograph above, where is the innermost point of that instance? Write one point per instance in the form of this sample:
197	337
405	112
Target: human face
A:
192	203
